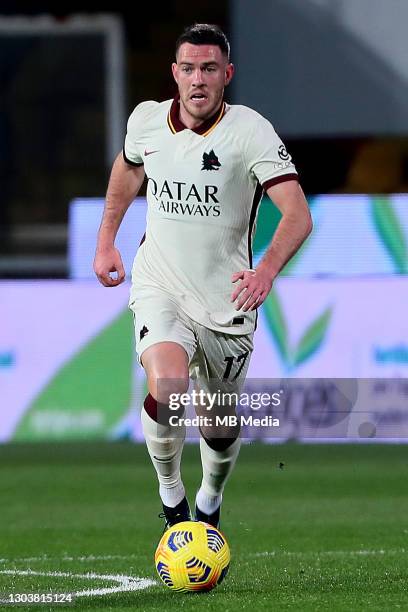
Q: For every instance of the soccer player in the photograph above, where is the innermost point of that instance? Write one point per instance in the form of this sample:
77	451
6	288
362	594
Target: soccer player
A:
194	292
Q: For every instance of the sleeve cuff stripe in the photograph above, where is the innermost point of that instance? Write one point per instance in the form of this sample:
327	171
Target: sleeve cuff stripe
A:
129	161
280	179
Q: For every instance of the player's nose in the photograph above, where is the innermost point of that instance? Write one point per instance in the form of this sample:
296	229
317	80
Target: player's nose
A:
198	77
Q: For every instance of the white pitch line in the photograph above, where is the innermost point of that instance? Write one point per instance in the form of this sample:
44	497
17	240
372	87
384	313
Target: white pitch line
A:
125	583
331	553
271	553
82	558
100	557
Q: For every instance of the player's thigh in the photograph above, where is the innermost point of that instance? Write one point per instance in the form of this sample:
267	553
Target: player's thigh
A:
165	341
222	357
220	366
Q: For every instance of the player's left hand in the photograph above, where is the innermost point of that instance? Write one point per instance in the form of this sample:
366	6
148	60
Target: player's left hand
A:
253	289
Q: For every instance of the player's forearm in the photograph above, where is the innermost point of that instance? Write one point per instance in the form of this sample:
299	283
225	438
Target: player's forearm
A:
292	231
124	184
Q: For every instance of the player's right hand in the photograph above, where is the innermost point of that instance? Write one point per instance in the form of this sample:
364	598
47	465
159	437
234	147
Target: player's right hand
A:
106	263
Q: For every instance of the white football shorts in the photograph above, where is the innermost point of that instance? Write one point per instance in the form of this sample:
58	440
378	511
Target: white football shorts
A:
212	355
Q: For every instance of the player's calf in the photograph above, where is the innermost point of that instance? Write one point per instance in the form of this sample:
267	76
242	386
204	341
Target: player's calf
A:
218	456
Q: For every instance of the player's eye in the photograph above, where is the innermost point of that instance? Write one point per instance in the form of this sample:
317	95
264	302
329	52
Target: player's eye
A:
187	69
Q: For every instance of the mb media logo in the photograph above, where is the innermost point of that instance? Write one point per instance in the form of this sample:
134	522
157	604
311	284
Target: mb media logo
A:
210	161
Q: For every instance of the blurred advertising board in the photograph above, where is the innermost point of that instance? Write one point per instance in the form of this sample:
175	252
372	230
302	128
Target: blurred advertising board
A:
353	235
68	368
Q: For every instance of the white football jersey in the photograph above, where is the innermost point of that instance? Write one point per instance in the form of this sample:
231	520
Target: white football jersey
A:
204	188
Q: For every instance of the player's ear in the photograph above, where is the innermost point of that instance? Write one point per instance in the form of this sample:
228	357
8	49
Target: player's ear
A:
229	73
174	69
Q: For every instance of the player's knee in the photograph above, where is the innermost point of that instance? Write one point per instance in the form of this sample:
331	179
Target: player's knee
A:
165	360
166	366
168	385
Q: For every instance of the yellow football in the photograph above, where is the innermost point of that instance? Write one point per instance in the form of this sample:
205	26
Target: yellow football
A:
192	556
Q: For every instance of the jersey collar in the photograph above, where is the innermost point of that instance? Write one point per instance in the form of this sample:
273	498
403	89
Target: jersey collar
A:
176	125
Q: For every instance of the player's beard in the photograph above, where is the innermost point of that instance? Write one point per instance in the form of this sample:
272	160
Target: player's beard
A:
207	109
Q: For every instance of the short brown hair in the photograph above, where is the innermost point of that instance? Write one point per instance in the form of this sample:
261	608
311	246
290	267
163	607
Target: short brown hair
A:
204	34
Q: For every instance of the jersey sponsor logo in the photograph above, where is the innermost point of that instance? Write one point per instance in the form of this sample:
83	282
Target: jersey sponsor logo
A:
143	332
150	152
283	154
192	210
210	161
180	198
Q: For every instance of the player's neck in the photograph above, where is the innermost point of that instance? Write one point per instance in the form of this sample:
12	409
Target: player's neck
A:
191	122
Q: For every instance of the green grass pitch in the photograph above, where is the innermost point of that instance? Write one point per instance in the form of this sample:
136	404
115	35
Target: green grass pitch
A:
312	527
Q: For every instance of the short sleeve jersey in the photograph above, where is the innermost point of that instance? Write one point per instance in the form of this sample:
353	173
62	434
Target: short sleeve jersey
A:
203	192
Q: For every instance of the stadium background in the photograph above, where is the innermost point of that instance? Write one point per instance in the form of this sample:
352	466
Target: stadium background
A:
332	77
69	81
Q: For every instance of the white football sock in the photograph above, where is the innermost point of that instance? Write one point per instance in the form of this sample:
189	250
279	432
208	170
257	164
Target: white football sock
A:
217	466
172	496
208	503
165	451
